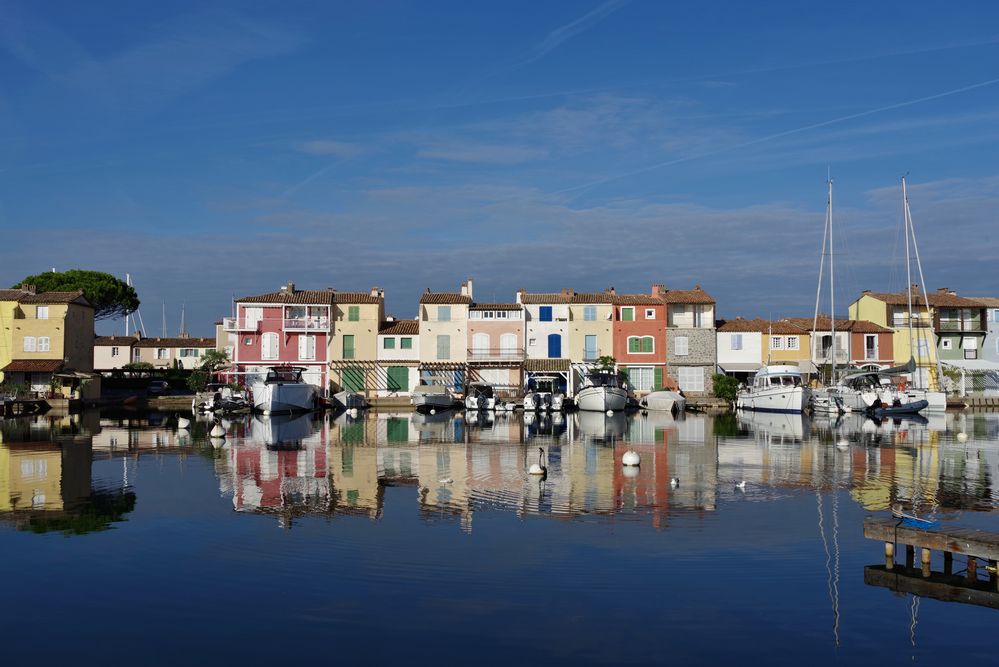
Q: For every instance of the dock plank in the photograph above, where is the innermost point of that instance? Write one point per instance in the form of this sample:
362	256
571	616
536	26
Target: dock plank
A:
938	586
966	541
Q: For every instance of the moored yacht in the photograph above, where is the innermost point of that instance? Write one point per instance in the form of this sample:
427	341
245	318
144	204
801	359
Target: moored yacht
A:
427	397
480	396
283	391
775	388
601	392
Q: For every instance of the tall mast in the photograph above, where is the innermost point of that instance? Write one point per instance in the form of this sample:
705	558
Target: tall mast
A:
922	281
908	268
128	281
832	284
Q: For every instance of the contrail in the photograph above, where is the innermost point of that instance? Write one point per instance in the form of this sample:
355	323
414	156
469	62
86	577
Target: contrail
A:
559	35
778	135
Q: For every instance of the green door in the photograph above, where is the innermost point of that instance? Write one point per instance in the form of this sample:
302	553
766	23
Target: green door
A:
398	378
353	379
657	382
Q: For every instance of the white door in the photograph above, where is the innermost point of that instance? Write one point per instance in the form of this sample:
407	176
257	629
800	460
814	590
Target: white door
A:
508	345
480	343
252	316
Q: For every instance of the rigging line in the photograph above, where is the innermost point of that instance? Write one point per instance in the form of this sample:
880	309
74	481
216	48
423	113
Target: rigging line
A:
778	135
835	585
829	576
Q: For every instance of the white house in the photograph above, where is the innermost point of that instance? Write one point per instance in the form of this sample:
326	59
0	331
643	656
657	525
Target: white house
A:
739	348
398	357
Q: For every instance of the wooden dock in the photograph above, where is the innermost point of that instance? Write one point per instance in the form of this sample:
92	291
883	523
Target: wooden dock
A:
972	544
938	585
22	407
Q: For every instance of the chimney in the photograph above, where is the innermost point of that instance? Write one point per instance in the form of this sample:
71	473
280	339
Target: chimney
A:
658	289
466	289
698	287
568	293
612	291
288	289
378	292
28	289
943	290
520	295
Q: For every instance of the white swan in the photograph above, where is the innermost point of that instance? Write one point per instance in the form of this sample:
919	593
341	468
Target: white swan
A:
674	482
741	485
538	468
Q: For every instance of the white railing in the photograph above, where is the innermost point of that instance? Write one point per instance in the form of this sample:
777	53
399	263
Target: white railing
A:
233	324
311	323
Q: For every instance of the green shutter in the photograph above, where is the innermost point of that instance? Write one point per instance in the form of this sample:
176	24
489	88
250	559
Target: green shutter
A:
647	344
627	314
634	345
398	378
353	313
353	379
657	381
389	343
348	346
397	429
406	344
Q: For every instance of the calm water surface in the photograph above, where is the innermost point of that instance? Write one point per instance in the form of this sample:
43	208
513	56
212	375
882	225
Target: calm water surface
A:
422	539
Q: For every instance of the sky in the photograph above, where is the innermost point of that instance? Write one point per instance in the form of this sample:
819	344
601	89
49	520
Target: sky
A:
220	149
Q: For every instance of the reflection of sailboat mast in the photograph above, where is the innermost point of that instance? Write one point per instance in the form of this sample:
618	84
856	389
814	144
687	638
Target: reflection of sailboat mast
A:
832	574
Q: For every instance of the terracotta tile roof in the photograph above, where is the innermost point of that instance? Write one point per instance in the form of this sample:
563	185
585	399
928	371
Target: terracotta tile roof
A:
55	297
115	340
825	324
176	342
445	298
696	295
323	297
33	366
540	298
937	299
10	294
637	300
598	297
357	297
988	301
546	365
758	325
399	328
495	306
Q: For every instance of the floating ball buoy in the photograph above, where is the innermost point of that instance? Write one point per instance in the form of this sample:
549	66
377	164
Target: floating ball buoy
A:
610	413
631	458
217	431
217	442
962	437
183	423
630	471
353	412
432	411
741	485
447	480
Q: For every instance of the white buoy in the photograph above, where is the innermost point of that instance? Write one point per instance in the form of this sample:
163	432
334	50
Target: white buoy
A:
353	412
631	458
217	431
183	423
217	442
447	480
610	413
741	485
674	482
630	471
962	437
432	411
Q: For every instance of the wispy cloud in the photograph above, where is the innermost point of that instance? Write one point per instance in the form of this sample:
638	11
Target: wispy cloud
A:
563	33
329	147
483	153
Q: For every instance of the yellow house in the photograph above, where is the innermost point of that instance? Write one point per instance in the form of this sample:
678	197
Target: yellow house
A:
353	344
8	310
591	333
51	344
891	310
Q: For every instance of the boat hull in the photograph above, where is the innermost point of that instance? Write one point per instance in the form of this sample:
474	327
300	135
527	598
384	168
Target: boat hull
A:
427	402
479	403
601	399
667	401
270	399
777	399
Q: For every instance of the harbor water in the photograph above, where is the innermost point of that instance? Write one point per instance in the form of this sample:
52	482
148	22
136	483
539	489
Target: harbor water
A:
400	537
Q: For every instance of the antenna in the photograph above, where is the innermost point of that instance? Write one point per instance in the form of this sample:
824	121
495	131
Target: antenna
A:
164	320
183	332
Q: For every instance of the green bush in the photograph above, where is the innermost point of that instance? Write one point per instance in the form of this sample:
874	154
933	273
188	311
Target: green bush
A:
726	386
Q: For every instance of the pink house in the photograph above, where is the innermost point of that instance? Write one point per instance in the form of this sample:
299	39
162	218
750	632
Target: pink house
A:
290	327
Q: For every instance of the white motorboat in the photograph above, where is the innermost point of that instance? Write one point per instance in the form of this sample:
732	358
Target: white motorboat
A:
351	400
283	391
282	431
480	396
427	397
558	401
664	399
775	388
540	401
601	392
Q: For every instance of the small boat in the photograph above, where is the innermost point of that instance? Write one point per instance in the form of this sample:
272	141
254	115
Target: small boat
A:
480	396
775	388
220	398
538	401
880	396
427	397
283	391
351	400
558	402
665	400
601	392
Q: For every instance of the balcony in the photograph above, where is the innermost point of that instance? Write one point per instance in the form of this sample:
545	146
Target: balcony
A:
507	355
232	324
902	322
311	323
960	325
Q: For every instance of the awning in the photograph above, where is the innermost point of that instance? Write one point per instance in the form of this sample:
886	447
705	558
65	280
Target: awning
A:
739	367
971	364
546	365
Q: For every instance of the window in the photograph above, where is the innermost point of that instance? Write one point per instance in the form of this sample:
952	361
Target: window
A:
443	347
792	342
406	343
475	315
946	344
681	346
348	346
42	312
628	314
690	378
641	378
487	314
967	343
247	341
736	341
590	348
699	316
641	344
501	314
444	313
44	344
306	347
353	313
776	342
590	313
269	346
30	344
114	352
388	343
650	313
545	313
188	352
994	315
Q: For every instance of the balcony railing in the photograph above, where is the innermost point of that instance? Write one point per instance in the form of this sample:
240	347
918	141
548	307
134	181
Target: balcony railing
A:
902	321
311	323
507	354
233	324
960	325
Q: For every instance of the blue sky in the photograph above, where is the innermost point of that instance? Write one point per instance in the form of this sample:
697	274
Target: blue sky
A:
213	149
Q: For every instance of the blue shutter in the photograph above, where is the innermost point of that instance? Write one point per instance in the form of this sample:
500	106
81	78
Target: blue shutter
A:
545	314
554	346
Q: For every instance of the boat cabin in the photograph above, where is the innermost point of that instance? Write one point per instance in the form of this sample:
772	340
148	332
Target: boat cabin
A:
284	375
777	376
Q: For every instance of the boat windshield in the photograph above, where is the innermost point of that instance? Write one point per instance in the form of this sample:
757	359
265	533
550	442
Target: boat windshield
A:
283	374
482	390
602	379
